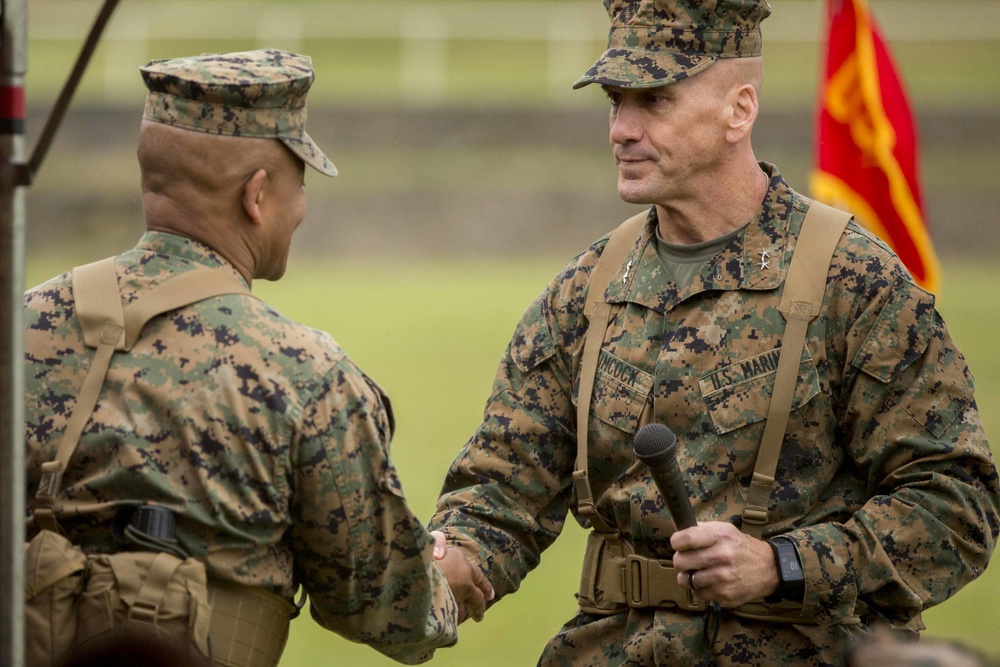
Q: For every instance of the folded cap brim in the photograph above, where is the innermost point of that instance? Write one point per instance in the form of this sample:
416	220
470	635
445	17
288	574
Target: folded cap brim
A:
634	68
310	153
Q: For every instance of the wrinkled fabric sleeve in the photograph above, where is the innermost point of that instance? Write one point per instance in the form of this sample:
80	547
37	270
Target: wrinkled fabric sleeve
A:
507	494
360	553
913	430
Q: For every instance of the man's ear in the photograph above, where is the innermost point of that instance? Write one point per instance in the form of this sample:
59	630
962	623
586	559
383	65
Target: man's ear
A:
744	114
253	196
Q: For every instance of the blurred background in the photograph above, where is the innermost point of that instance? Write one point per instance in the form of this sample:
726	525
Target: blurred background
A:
470	173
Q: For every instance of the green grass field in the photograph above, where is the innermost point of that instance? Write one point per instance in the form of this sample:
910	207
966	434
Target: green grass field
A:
431	334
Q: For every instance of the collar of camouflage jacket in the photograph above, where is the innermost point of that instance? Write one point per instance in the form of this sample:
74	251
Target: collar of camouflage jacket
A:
172	246
756	259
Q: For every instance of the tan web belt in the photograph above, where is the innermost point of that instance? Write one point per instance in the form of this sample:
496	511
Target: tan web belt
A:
638	582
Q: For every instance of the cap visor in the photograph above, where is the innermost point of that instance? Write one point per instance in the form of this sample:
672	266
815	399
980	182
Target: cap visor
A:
627	68
310	153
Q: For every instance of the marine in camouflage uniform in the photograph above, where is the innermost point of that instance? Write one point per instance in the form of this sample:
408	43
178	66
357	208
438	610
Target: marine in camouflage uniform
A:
885	483
270	446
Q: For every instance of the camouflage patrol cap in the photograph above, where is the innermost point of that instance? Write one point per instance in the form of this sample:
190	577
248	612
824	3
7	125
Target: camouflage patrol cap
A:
656	42
260	94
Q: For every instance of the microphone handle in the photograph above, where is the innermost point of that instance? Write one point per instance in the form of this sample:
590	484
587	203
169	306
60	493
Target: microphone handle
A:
667	477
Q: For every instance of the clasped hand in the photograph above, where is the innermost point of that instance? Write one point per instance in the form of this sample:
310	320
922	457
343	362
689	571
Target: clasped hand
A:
469	586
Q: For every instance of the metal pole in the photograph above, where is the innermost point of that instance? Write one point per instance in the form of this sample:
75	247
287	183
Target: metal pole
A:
27	173
13	64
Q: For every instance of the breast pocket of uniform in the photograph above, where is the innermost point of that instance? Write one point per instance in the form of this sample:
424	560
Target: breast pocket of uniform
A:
737	398
621	392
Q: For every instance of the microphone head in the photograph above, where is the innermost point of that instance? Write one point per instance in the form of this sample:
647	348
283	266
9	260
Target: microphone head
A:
653	441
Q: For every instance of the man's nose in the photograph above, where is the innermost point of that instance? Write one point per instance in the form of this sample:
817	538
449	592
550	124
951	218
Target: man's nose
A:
626	124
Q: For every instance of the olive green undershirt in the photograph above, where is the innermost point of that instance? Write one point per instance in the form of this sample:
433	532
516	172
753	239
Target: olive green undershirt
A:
685	262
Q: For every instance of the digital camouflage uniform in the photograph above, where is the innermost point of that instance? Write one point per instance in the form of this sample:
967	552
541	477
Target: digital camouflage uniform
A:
270	446
885	482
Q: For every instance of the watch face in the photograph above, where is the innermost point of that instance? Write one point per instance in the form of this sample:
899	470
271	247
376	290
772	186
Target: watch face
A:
789	564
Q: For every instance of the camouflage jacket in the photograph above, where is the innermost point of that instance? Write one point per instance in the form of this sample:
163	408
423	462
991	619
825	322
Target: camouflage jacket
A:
885	482
267	442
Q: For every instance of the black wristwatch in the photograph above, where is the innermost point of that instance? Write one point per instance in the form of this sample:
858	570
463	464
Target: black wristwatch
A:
792	581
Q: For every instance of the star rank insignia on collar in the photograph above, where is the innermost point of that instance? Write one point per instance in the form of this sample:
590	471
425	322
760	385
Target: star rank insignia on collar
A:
764	257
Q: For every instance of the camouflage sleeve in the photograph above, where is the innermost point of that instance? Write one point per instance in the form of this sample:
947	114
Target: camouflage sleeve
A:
506	495
914	433
360	553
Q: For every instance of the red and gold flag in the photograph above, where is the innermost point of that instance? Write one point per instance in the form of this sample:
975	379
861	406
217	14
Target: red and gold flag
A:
866	140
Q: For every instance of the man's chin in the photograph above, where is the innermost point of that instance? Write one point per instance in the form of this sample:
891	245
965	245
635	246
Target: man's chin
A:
631	194
273	274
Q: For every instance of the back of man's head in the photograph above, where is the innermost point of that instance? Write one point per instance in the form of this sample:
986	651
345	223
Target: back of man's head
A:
210	122
180	163
887	647
136	645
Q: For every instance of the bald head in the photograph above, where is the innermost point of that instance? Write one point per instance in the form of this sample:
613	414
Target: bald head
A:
192	181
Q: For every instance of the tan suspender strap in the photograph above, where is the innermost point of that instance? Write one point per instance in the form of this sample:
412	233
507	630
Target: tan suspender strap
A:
598	312
99	310
108	326
181	290
801	300
96	299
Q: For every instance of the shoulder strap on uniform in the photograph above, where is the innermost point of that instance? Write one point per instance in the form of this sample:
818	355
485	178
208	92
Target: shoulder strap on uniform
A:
181	290
598	313
801	300
108	326
99	310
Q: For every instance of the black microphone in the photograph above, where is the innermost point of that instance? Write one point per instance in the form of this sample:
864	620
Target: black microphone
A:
656	446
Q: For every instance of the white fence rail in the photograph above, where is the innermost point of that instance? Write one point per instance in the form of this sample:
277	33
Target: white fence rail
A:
573	31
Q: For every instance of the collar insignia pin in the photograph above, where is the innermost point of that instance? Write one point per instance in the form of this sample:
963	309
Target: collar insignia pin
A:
764	256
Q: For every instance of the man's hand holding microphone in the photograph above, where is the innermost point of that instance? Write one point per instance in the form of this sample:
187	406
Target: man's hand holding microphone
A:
716	561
